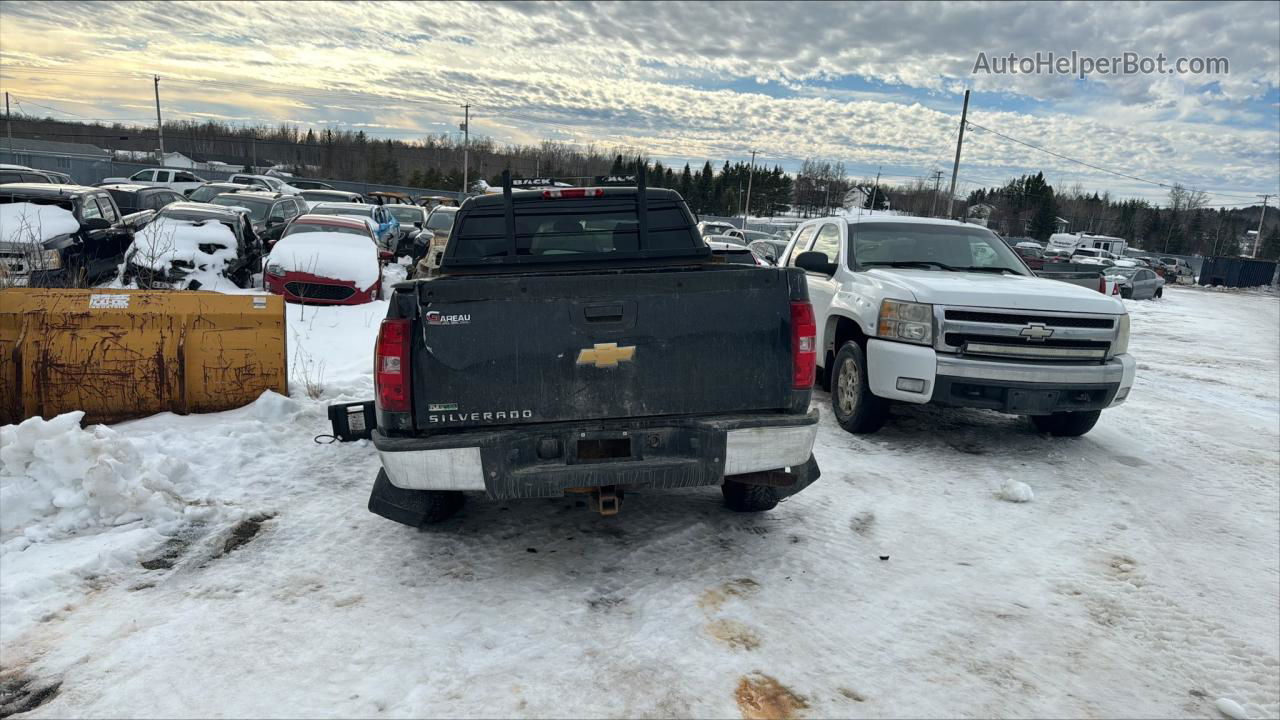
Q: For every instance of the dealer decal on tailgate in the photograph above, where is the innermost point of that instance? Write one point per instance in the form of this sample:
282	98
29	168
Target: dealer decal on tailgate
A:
436	318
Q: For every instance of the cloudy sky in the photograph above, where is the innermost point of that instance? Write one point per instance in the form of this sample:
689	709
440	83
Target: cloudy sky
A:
875	85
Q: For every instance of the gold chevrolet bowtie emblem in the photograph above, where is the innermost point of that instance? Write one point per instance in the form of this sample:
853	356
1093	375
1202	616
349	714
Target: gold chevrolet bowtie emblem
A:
605	355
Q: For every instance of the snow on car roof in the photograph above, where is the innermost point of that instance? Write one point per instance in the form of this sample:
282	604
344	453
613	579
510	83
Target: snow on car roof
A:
28	223
337	256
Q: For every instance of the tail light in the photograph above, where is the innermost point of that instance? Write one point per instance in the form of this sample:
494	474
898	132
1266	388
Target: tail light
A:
573	193
1115	289
1102	285
804	345
391	365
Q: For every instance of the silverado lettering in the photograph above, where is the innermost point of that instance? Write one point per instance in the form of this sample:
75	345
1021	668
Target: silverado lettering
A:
481	416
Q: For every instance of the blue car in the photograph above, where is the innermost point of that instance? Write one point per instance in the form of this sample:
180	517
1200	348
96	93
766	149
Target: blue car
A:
387	228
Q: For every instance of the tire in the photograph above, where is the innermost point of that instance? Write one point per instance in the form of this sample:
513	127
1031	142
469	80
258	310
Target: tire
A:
1066	424
856	409
1126	294
748	498
1159	292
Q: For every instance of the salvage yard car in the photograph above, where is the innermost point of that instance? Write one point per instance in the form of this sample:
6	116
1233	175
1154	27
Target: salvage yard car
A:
208	191
315	197
59	235
551	357
428	246
176	180
24	174
922	310
706	228
270	212
412	219
1137	283
269	183
134	198
386	226
310	184
190	246
325	260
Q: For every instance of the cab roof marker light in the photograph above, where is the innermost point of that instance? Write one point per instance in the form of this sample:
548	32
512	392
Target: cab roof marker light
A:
574	193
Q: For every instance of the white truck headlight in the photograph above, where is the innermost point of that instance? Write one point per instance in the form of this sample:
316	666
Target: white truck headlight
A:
50	260
906	321
276	270
1121	345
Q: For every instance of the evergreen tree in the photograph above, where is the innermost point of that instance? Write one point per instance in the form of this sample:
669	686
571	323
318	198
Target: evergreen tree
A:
705	181
1270	249
617	168
1045	222
686	184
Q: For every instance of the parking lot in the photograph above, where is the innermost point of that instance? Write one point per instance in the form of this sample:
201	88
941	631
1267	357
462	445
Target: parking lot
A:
1141	580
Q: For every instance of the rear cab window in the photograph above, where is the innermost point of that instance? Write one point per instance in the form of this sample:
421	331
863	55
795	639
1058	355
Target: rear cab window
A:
575	229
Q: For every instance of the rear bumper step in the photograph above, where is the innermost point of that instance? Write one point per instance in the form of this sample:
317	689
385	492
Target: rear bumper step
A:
546	460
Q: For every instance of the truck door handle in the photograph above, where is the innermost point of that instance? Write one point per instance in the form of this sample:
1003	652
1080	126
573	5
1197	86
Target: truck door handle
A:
603	313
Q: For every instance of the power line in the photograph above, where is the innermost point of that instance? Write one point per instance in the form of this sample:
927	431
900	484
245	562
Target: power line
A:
1086	164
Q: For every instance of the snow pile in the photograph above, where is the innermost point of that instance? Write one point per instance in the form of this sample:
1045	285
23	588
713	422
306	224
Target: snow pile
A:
57	479
29	223
1017	492
273	408
337	256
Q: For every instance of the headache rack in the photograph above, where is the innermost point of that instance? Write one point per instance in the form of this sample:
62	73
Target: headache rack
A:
514	244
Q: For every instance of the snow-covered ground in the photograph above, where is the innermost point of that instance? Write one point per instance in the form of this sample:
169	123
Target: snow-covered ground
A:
953	564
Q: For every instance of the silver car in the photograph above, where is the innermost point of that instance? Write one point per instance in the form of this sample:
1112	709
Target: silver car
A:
1136	283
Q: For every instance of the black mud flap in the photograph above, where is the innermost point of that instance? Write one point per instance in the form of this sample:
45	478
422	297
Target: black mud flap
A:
408	507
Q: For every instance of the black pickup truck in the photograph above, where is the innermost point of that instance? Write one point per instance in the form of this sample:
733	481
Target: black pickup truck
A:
585	340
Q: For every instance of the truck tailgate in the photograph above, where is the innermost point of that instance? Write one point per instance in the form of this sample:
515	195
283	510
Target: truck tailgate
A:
497	350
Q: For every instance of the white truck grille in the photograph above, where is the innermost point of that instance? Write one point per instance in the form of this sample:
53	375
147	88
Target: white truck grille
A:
1025	335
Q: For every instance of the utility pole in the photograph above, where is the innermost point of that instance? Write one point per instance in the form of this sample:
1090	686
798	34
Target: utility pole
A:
159	122
955	169
8	121
875	189
937	185
750	175
1217	234
1257	241
253	144
466	147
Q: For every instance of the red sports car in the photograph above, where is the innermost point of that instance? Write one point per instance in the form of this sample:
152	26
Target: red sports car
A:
325	260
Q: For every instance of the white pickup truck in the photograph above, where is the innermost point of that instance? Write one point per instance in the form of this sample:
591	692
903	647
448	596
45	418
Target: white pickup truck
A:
921	310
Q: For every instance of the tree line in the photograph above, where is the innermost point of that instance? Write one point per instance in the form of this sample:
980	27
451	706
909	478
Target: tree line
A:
1184	225
1024	206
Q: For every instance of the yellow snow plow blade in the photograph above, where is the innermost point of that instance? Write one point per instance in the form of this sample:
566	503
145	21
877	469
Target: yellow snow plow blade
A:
121	354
